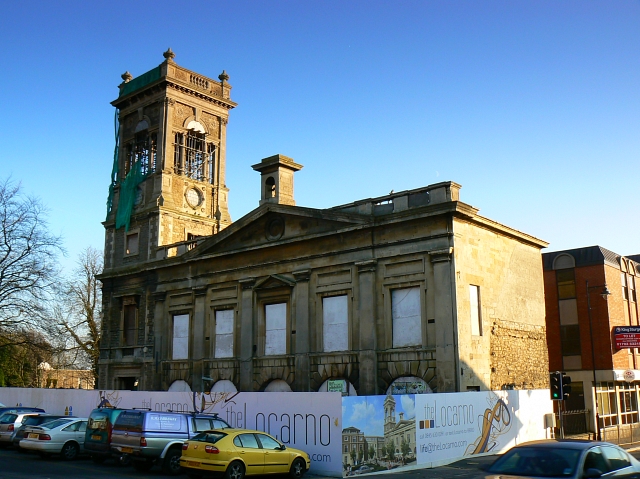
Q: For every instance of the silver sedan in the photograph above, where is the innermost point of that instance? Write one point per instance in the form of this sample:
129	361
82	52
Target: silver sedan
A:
566	459
62	436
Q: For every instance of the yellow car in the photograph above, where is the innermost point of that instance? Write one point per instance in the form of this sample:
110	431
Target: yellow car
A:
239	452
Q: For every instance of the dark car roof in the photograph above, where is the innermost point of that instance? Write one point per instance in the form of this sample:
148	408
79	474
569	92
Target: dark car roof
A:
580	444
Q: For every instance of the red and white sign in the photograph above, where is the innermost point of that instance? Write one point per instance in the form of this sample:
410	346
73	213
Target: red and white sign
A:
627	337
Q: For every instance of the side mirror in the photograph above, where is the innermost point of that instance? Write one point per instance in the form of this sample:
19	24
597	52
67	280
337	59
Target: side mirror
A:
282	447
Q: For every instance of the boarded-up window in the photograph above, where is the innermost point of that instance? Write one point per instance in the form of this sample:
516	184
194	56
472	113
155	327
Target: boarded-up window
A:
224	334
181	336
474	306
129	325
335	323
405	313
276	329
132	243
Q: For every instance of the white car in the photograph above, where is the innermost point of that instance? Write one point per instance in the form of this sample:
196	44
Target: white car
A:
9	423
62	436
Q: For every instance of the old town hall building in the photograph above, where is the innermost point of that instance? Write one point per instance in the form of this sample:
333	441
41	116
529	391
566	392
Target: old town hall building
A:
410	291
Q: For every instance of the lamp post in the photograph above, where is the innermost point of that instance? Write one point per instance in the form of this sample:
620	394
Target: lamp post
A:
604	293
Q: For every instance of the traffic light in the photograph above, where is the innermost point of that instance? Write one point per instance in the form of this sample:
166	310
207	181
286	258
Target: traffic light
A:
566	386
555	385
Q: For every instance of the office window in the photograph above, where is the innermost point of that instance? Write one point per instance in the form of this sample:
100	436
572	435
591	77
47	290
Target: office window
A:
180	336
628	403
632	288
276	329
625	288
335	323
224	334
406	317
607	407
566	280
476	314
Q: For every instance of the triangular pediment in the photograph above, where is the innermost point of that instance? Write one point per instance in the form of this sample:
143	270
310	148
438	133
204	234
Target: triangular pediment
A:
276	224
274	281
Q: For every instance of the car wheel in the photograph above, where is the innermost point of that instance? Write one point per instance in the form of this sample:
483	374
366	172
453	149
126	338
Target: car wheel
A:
235	471
143	466
98	459
69	451
123	460
171	463
297	469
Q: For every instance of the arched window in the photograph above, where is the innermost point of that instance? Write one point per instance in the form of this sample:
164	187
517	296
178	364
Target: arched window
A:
270	188
278	386
564	261
223	386
142	149
193	156
180	386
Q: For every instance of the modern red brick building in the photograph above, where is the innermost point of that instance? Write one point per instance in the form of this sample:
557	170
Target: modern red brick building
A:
581	318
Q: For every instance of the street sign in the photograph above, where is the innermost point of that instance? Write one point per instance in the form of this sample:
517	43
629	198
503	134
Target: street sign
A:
626	337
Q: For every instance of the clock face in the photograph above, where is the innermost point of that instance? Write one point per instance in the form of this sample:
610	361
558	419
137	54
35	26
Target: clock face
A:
193	197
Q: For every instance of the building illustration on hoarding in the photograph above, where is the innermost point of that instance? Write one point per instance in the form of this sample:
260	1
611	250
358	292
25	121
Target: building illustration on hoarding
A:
379	432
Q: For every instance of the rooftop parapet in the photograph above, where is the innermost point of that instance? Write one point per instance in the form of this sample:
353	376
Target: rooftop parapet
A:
444	192
169	70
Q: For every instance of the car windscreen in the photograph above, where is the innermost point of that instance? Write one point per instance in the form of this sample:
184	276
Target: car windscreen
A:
537	462
54	424
33	420
129	421
209	436
8	418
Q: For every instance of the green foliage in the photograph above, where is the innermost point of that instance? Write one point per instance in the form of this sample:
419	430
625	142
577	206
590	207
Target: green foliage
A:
405	448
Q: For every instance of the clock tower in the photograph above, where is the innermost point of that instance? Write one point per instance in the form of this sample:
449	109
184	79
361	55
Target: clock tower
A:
168	178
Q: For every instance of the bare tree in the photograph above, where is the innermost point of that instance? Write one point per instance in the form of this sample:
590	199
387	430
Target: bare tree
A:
28	254
77	313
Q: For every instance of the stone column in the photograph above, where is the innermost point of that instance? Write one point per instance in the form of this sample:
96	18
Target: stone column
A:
446	321
301	299
364	331
247	334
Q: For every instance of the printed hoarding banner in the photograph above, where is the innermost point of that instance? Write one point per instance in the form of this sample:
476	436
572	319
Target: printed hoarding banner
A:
311	422
456	425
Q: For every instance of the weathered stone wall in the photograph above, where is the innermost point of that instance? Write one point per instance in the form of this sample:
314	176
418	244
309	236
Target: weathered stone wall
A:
508	272
519	357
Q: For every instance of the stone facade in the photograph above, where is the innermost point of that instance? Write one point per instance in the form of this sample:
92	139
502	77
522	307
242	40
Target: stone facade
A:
368	292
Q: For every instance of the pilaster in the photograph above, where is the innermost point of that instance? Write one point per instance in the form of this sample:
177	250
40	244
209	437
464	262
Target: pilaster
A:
445	320
365	328
301	325
247	336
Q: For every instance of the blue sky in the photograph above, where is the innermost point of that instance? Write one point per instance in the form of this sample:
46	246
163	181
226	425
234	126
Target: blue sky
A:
533	107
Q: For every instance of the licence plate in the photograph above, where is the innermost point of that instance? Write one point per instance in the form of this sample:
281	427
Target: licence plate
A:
127	450
96	437
33	435
193	464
